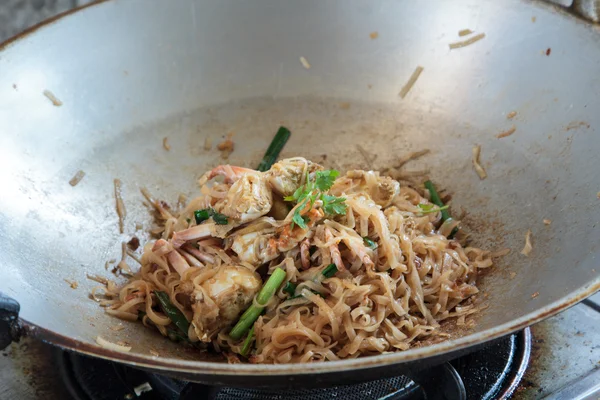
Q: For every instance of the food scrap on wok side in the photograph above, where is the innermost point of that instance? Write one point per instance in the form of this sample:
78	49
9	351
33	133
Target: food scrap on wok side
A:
297	263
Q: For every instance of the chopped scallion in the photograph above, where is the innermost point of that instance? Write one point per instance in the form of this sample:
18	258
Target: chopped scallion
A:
172	312
253	312
430	208
435	199
247	343
329	271
202	215
279	141
290	288
370	243
206	213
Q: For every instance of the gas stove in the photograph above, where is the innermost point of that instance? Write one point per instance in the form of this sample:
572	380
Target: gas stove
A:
555	359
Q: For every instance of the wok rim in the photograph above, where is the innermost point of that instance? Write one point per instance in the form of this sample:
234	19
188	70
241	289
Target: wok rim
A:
173	365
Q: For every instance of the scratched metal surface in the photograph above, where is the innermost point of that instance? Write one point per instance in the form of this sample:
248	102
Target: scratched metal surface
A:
207	75
566	348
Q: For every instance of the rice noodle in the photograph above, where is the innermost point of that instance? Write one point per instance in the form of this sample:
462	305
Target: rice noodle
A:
478	168
411	81
55	101
304	63
467	42
389	293
507	132
119	204
528	247
112	346
77	178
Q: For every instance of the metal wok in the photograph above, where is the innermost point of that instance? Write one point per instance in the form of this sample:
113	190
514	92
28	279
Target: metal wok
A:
131	72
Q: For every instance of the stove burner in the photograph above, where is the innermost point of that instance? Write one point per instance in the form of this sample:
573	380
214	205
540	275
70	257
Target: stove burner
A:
491	373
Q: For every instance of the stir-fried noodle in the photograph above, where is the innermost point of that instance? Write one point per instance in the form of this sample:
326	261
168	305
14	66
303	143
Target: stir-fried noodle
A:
366	266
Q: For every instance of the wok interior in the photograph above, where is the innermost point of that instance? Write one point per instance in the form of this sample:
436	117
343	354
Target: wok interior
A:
203	78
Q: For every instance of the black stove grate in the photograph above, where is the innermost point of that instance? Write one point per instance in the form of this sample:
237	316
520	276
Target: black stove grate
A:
491	373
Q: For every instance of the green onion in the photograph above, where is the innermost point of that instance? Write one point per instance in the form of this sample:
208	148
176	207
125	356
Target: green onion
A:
202	215
172	312
220	219
429	208
280	139
329	271
370	243
247	343
435	199
290	288
252	313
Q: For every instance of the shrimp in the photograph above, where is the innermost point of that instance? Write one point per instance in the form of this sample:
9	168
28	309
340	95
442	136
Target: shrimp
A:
247	199
176	260
258	247
288	175
231	173
207	229
222	298
305	253
335	251
381	189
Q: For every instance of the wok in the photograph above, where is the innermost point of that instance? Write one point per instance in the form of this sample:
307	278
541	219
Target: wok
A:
131	72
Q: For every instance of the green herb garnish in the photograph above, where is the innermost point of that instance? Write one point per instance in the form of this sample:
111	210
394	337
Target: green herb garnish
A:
435	199
333	205
174	314
370	243
329	271
312	191
290	288
206	213
430	208
220	219
253	312
280	139
247	343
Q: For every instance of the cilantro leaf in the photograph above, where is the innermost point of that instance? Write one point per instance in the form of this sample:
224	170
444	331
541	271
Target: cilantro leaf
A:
297	194
299	220
333	205
313	190
324	179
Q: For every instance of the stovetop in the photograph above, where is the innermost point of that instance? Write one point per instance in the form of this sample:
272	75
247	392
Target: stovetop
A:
564	363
